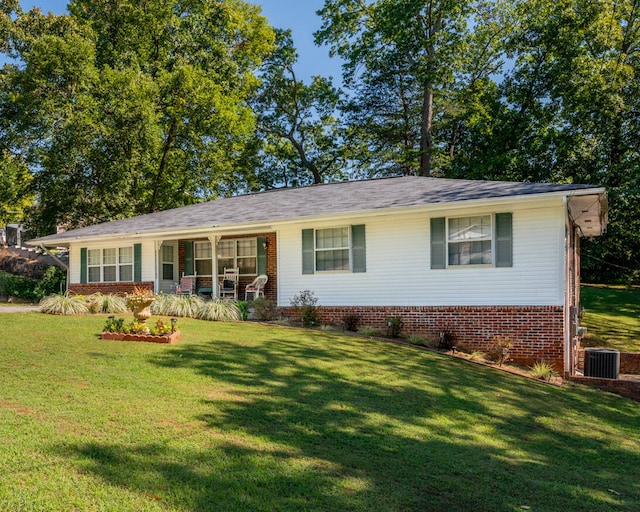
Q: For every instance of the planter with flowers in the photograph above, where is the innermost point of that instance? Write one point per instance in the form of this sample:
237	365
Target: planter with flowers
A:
139	302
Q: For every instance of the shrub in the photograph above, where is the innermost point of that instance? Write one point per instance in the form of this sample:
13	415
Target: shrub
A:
367	330
64	305
177	305
351	322
499	350
394	326
111	303
478	356
218	310
17	286
243	306
113	325
417	340
305	305
446	339
264	309
53	280
542	370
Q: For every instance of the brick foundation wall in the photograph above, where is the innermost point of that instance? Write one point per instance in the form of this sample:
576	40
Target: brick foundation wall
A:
630	363
536	331
118	288
626	388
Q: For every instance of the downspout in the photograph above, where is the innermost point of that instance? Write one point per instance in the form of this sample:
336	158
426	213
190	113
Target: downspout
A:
568	348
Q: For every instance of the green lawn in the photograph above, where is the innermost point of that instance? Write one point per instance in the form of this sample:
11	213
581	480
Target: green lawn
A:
612	317
248	417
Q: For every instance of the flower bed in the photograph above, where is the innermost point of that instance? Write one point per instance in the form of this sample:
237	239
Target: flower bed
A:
173	337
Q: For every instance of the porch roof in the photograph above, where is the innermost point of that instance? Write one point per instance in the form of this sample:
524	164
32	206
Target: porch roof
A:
314	201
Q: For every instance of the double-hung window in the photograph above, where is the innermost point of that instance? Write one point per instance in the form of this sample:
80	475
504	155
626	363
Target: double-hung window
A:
472	240
202	258
469	240
241	253
110	265
334	249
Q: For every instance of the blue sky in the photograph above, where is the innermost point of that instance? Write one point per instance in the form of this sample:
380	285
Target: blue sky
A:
297	15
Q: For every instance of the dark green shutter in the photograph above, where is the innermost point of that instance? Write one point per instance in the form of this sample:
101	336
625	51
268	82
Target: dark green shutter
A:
262	255
188	258
438	243
83	265
359	248
504	240
137	263
308	253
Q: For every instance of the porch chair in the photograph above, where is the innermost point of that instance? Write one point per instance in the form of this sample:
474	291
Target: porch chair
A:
257	287
229	286
187	285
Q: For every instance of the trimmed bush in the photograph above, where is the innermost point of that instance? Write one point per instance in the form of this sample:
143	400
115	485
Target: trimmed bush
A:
64	305
219	310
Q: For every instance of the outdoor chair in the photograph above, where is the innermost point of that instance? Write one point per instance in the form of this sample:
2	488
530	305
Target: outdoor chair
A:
256	287
187	285
229	285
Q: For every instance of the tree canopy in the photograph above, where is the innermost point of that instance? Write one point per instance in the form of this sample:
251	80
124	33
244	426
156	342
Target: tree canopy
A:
121	108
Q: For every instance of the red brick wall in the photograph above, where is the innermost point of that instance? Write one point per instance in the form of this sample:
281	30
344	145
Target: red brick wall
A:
536	331
627	388
630	363
119	288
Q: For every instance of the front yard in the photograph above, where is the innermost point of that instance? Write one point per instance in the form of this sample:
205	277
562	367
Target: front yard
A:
240	416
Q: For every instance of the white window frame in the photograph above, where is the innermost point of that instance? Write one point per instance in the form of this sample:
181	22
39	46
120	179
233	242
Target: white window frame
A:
490	239
102	265
206	258
235	256
316	250
164	261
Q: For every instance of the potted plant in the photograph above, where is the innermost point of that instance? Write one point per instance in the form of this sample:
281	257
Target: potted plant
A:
139	302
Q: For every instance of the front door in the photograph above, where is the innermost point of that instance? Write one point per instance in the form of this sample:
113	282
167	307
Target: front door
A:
168	266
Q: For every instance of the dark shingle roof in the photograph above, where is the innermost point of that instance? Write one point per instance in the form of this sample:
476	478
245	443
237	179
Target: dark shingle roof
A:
313	201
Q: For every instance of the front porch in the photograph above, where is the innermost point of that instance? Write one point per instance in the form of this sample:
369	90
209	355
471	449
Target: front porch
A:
160	264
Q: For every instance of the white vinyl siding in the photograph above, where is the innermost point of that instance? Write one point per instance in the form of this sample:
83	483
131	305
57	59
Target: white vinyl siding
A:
398	263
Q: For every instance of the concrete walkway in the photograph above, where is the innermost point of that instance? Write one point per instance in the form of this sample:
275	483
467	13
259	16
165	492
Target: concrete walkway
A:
18	309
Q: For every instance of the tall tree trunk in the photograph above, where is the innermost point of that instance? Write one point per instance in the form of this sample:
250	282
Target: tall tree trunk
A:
426	143
162	167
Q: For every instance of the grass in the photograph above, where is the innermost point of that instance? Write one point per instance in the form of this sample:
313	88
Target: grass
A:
241	416
612	317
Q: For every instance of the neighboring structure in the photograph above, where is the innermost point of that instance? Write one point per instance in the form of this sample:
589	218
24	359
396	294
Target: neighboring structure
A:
479	258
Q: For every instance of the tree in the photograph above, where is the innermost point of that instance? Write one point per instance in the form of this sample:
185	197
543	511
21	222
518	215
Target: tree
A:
14	184
570	112
412	63
301	139
123	108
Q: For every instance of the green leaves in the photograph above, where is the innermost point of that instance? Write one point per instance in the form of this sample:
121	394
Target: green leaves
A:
120	109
